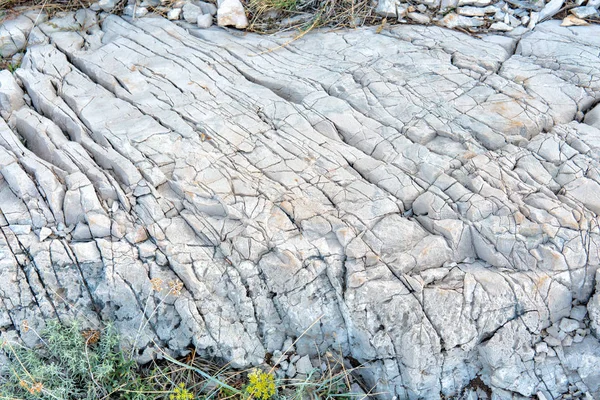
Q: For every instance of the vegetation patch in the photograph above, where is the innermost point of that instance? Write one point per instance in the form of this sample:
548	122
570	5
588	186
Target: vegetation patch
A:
75	363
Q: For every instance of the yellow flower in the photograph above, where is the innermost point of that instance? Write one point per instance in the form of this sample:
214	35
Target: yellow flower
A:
261	385
181	393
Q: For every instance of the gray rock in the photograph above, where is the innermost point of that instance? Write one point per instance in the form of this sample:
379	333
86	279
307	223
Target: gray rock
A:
578	313
191	13
304	366
207	8
584	12
592	117
569	325
435	210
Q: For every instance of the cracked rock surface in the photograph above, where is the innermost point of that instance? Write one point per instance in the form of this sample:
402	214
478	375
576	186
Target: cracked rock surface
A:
429	198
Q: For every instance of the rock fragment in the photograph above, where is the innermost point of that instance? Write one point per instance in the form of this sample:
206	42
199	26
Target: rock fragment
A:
231	13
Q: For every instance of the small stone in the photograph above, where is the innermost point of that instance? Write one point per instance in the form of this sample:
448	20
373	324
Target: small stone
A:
44	233
99	224
231	13
578	313
541	396
288	345
514	22
291	371
453	20
584	12
136	12
541	347
174	14
552	341
161	259
387	8
470	11
571	20
568	325
207	8
478	3
81	232
582	332
204	21
107	5
501	26
191	13
551	8
304	366
567	341
419	18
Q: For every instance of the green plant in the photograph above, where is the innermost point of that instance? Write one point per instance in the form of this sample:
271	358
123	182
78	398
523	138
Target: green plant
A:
71	363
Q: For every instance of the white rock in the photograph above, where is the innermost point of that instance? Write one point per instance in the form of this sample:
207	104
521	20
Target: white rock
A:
174	14
134	11
44	233
477	3
419	18
13	35
231	13
476	11
453	20
205	21
387	8
550	9
500	26
107	5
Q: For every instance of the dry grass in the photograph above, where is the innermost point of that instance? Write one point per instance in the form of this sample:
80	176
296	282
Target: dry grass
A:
269	16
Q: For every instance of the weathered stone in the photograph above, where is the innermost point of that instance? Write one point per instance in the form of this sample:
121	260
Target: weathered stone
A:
428	196
13	35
